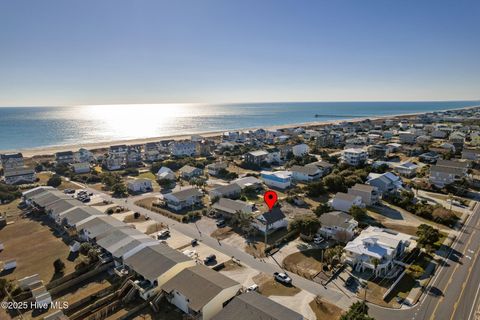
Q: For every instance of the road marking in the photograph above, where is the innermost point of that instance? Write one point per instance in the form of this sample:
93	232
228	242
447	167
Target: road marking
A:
473	304
471	251
468	277
469	257
455	269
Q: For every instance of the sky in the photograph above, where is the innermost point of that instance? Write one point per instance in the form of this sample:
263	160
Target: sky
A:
216	51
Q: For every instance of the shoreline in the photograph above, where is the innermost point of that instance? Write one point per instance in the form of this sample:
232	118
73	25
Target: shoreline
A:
51	150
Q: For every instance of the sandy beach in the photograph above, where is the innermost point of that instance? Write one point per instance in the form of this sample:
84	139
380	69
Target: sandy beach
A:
50	150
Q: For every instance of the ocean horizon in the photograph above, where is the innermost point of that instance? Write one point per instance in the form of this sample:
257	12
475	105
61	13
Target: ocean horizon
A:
36	127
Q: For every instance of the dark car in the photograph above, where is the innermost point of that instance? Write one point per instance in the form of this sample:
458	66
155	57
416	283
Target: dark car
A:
194	242
350	281
221	223
209	259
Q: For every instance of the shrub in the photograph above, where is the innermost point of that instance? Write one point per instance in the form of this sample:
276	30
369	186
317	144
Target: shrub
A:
54	181
59	266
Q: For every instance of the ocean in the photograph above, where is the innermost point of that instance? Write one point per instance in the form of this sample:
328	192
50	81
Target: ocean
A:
33	127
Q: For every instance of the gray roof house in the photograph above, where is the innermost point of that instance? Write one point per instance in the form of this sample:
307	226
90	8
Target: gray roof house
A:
254	306
200	291
227	191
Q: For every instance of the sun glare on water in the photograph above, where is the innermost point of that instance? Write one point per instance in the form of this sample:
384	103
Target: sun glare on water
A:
137	120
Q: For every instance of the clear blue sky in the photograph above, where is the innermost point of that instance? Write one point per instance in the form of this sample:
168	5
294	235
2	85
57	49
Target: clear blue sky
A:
100	52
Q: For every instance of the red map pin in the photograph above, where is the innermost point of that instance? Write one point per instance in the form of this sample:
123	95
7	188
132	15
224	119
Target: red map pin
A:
270	197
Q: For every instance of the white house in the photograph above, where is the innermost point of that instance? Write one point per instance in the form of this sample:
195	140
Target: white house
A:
182	148
139	185
165	173
354	156
182	199
443	176
270	221
19	175
369	194
406	169
337	225
188	172
377	249
300	150
308	172
344	201
214	168
277	179
200	292
385	182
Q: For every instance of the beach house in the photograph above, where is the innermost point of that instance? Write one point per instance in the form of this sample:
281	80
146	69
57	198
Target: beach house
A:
369	194
300	150
377	249
188	172
139	185
337	225
354	156
230	207
277	179
183	199
231	190
344	201
270	221
182	148
254	306
200	292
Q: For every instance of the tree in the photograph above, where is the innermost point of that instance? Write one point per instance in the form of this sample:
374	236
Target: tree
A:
307	224
119	190
357	311
85	247
321	209
335	183
358	213
427	235
332	254
314	189
54	181
59	266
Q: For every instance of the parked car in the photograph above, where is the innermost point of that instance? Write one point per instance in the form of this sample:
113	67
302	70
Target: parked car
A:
221	223
105	258
194	242
163	234
209	259
68	191
282	277
317	239
350	281
253	287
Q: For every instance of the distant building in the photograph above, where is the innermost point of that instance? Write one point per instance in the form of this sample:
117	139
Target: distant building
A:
443	176
471	154
369	194
81	167
305	173
344	202
300	150
231	207
337	225
354	157
182	148
139	185
19	175
231	190
406	169
213	169
385	182
188	172
11	160
277	179
66	157
183	199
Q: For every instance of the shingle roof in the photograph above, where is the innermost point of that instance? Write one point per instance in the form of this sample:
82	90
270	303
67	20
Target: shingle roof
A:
336	218
273	215
254	306
229	205
345	196
185	194
199	284
154	260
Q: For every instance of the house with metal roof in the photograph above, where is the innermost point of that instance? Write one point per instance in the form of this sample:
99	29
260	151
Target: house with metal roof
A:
200	291
254	306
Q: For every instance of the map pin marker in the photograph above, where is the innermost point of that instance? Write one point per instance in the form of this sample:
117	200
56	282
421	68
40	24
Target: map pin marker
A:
270	197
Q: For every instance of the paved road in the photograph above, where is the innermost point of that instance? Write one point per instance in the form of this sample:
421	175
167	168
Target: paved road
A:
331	294
454	292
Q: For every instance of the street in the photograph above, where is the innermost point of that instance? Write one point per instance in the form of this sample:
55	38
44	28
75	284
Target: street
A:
453	292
